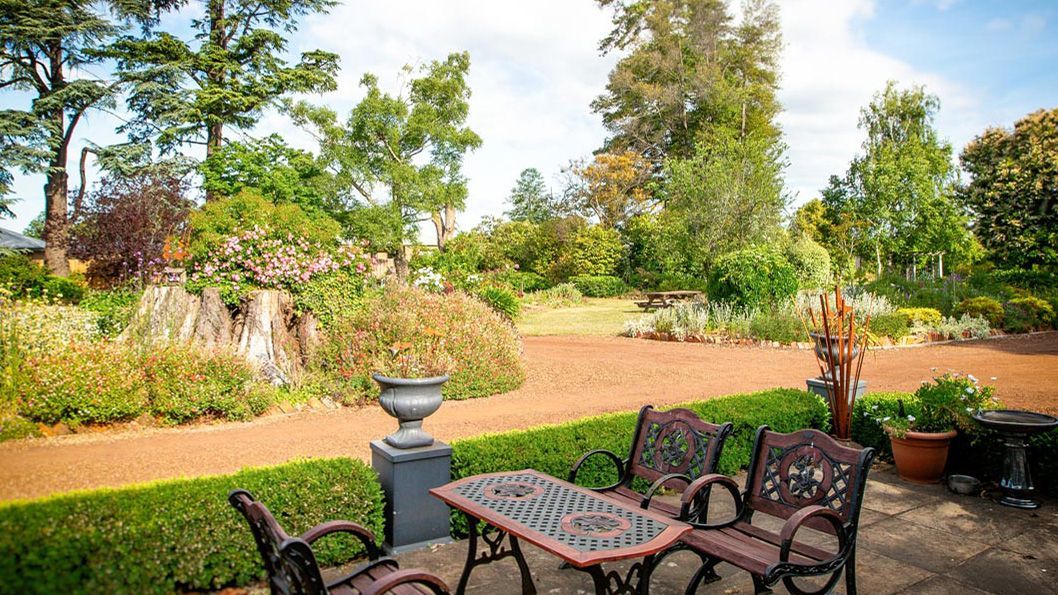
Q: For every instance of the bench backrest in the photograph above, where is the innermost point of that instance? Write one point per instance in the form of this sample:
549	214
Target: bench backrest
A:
791	471
674	441
287	570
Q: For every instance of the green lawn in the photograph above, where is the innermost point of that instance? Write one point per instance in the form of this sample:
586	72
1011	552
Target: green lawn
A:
597	316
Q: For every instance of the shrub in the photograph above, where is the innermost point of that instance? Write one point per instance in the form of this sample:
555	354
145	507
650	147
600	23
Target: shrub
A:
178	535
928	317
500	300
331	296
13	428
21	278
777	325
599	285
37	328
520	281
481	345
563	294
260	259
125	222
114	307
973	327
893	326
986	307
219	220
810	261
553	449
595	251
110	382
752	278
1027	314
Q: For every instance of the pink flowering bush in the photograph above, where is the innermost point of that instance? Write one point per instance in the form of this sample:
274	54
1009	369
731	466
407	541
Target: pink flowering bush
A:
261	259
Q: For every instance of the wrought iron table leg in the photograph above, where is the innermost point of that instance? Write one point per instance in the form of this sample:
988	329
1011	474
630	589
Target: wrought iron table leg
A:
495	552
635	582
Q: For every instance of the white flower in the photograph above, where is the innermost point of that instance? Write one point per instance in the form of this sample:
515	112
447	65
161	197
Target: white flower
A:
969	390
911	418
886	418
875	407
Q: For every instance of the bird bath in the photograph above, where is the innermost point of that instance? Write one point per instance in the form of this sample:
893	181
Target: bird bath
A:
1015	427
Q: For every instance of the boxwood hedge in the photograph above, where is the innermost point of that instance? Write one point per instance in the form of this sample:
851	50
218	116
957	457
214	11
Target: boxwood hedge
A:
176	535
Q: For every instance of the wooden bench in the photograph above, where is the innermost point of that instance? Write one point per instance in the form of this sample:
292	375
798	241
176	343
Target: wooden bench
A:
292	567
804	479
665	299
669	449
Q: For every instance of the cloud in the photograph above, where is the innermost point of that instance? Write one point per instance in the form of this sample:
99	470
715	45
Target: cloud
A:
999	24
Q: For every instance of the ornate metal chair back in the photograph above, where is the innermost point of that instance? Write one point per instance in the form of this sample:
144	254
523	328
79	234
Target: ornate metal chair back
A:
299	569
267	534
674	441
804	468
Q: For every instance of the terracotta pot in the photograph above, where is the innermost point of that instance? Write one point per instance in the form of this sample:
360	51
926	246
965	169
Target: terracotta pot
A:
921	456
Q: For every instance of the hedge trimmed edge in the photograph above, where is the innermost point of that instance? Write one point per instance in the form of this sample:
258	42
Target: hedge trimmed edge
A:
177	534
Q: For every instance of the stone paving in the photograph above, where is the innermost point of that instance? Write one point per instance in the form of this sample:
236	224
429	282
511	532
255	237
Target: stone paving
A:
913	539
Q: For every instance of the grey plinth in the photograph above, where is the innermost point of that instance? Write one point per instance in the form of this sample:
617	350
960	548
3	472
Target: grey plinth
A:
821	387
414	518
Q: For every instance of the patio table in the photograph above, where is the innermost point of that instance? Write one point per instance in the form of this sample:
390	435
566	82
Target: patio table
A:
584	528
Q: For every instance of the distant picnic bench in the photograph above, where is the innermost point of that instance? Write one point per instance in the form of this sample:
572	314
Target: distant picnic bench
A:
665	299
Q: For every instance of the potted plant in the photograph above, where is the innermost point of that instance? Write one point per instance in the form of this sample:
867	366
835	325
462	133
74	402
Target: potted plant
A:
411	384
920	442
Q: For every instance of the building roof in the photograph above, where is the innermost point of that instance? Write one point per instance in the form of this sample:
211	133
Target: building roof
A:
15	241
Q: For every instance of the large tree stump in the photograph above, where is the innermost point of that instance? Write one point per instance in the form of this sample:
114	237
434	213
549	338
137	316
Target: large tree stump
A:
166	313
213	325
265	334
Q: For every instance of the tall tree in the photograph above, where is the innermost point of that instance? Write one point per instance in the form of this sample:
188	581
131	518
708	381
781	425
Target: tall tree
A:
46	50
1014	191
530	199
405	150
902	185
612	187
689	74
281	172
225	75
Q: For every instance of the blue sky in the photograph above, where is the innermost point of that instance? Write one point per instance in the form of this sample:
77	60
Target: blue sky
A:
535	68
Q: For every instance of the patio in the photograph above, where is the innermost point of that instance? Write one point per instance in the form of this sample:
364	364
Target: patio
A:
913	539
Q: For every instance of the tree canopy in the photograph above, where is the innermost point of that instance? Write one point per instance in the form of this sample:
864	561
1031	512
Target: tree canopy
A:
530	199
1014	191
405	150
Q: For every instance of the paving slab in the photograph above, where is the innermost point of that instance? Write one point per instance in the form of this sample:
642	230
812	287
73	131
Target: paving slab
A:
1006	573
920	545
941	585
979	519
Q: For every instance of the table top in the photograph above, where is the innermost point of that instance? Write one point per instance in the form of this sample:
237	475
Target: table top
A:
678	293
574	523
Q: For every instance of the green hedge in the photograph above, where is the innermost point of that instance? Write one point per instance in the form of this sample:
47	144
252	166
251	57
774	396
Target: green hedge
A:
599	285
553	449
177	534
979	454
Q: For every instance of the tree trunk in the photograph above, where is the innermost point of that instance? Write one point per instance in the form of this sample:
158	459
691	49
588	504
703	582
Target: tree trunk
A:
444	223
264	331
165	313
213	324
217	37
56	222
878	259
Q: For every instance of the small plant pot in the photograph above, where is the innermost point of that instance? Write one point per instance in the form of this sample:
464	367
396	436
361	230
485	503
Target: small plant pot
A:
410	400
921	456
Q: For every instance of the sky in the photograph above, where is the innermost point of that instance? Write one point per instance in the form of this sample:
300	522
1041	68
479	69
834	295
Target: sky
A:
535	68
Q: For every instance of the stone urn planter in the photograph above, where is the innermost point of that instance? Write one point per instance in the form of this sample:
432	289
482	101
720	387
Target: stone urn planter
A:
410	400
921	456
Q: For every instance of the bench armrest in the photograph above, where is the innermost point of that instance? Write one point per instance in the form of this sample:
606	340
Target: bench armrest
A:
617	461
658	484
404	577
799	518
692	506
366	537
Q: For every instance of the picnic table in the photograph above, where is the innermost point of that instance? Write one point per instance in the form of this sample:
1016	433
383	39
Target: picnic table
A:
665	299
582	527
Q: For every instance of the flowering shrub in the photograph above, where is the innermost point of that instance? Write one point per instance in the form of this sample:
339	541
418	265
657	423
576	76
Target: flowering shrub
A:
39	327
259	259
475	346
945	404
109	382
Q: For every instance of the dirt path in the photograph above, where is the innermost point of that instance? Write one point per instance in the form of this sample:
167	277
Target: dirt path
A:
569	377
